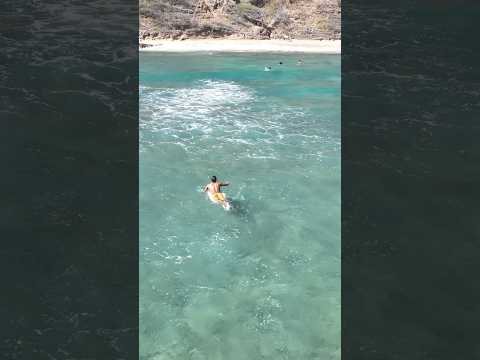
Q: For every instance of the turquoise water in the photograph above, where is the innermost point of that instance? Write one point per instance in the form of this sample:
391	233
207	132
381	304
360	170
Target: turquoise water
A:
261	281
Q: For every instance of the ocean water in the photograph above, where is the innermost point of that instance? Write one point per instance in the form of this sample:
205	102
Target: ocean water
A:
261	281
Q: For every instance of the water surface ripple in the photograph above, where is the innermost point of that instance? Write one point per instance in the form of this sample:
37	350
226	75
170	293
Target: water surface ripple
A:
263	280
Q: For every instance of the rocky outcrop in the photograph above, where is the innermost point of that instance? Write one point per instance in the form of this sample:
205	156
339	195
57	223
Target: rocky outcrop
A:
244	19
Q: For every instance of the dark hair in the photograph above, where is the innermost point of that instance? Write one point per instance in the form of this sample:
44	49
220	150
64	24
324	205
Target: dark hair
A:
213	178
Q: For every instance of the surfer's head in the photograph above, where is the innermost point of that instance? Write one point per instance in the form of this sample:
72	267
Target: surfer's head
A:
213	178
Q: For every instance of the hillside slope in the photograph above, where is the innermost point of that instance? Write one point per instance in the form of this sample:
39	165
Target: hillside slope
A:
242	19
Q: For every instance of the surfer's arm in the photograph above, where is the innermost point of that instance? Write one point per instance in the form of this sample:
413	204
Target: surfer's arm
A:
205	188
224	184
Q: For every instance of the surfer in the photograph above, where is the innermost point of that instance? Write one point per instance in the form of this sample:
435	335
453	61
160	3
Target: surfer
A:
214	192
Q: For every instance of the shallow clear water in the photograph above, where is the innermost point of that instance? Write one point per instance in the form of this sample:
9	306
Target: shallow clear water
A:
261	281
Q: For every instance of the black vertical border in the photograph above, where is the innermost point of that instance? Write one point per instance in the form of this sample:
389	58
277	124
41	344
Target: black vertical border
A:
69	181
410	179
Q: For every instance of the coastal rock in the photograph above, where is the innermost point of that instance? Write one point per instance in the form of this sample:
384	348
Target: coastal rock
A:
254	16
259	3
249	19
256	31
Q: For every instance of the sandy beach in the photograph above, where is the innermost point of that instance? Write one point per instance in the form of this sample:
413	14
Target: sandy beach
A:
227	45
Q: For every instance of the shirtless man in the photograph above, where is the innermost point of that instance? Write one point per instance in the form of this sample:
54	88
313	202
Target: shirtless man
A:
214	190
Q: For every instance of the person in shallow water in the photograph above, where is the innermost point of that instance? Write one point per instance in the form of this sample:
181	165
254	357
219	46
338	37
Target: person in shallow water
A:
214	191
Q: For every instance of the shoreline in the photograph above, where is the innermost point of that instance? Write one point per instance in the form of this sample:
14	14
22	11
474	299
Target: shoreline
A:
253	46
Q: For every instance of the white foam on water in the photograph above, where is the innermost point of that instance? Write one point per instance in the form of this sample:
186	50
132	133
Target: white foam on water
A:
219	113
206	97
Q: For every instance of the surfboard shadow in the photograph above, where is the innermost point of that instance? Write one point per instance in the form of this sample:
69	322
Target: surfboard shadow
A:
240	209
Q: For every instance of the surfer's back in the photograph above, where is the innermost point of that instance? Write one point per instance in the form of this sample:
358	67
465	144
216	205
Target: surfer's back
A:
213	187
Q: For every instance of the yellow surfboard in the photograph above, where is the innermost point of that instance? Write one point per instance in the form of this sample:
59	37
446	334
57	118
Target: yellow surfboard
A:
220	198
